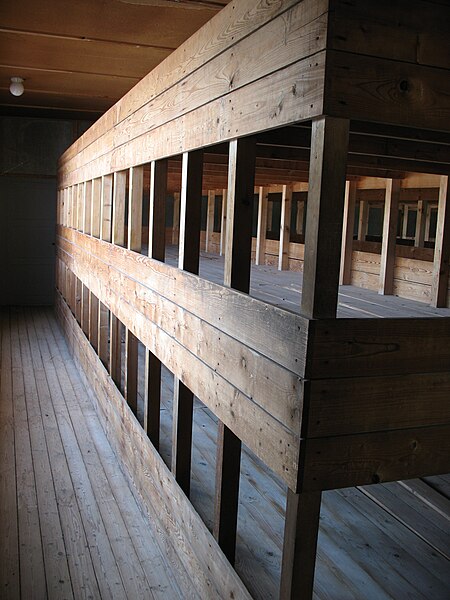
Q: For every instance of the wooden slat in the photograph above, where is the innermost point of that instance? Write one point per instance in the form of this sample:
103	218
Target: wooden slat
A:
210	219
156	250
188	260
212	575
390	220
106	208
87	207
376	89
285	228
115	365
96	206
221	307
361	459
352	347
223	222
135	193
324	217
261	229
118	209
345	274
442	248
176	218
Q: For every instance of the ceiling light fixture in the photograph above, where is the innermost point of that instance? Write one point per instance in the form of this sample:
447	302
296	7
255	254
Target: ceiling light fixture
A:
16	88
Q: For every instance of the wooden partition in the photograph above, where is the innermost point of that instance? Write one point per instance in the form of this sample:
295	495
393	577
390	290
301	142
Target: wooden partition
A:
324	403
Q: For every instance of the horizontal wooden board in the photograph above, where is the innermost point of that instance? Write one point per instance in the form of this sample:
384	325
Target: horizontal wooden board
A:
363	404
212	575
381	90
271	440
348	460
233	115
366	262
414	271
413	291
238	315
219	34
405	30
372	347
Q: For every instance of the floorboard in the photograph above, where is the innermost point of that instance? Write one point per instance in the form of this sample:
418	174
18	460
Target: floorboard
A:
70	526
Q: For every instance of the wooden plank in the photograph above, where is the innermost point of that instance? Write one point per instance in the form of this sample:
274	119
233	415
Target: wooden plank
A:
118	210
96	206
210	219
362	404
439	288
390	220
285	228
223	222
371	347
421	38
324	217
9	532
345	275
106	208
238	315
135	193
240	116
176	218
156	250
299	546
306	36
87	207
212	575
85	309
241	183
93	320
188	260
131	370
261	226
103	333
361	459
115	365
381	90
419	237
363	219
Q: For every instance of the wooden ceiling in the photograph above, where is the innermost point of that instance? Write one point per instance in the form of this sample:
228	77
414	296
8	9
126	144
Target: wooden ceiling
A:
81	56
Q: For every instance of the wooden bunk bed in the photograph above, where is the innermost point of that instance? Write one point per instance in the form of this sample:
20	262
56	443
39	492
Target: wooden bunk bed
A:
325	403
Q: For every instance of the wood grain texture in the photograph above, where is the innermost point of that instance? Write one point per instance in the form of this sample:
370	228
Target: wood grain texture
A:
390	220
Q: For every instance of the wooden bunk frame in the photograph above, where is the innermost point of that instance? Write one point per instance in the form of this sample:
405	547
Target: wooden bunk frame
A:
324	402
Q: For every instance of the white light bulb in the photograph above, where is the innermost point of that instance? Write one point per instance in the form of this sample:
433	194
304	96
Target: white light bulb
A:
16	88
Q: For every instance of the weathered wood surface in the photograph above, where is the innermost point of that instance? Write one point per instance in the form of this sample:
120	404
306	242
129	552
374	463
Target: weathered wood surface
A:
211	574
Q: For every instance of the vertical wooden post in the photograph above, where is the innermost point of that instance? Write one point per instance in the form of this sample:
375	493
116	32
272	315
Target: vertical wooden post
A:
324	218
345	277
427	222
118	238
419	237
95	232
363	220
223	222
405	221
439	287
210	219
80	206
188	259
329	143
390	222
156	250
285	228
135	193
86	228
238	246
263	196
300	217
176	218
105	234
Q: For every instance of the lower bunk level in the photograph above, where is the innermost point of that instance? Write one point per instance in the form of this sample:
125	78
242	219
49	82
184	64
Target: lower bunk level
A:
72	526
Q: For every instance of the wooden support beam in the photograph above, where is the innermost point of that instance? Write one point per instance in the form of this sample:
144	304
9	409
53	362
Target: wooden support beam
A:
439	287
238	244
96	206
223	222
188	260
135	196
156	250
363	220
390	222
115	365
345	277
85	310
176	218
93	321
405	221
118	212
210	219
324	217
87	207
300	217
300	545
80	207
106	208
329	143
285	228
419	237
261	229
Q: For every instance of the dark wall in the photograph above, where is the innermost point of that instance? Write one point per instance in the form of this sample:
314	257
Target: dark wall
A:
29	151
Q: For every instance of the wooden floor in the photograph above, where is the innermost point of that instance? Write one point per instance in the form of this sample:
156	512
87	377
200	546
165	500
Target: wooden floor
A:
71	528
69	524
